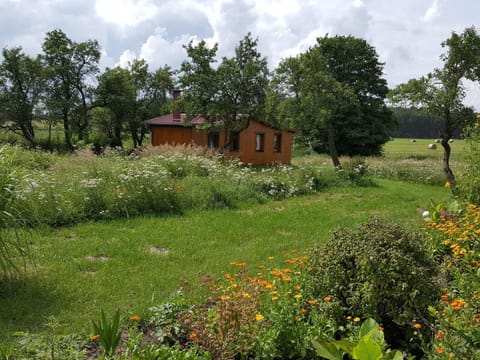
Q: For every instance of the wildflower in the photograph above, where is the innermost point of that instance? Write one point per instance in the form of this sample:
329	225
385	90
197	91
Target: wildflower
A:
224	297
134	317
95	337
192	336
311	302
298	296
228	276
448	185
440	350
303	310
296	287
356	319
259	317
380	328
327	299
270	258
275	298
417	326
440	335
269	286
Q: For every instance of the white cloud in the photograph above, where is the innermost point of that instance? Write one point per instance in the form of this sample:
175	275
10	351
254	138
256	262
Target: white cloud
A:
127	57
159	51
432	12
125	13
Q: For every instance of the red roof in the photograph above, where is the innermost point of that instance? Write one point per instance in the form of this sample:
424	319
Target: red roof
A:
169	120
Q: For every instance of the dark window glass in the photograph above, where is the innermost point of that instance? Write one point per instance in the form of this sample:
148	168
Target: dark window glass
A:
260	142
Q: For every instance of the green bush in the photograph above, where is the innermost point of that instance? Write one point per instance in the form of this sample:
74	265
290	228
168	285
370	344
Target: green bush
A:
378	270
469	179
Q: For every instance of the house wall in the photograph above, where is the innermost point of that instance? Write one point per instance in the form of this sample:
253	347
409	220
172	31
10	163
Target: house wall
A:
247	150
173	135
247	142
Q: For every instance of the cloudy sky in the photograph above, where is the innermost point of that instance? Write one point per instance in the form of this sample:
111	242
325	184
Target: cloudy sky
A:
406	34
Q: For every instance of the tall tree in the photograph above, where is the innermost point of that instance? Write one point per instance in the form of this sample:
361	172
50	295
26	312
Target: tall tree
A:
116	92
354	63
231	95
21	86
441	92
70	70
151	96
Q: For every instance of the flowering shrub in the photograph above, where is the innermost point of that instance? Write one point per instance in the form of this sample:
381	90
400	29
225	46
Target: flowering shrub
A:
457	312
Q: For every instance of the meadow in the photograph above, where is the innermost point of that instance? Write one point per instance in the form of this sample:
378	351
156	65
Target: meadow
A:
128	232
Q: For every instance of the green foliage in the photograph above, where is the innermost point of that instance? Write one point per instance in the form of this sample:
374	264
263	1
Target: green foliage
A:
12	245
108	332
378	270
469	179
370	345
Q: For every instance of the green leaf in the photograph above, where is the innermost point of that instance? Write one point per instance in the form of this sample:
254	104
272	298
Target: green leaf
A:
394	355
368	326
367	349
328	350
345	345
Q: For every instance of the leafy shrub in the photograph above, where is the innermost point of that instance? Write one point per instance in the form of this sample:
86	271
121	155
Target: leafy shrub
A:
468	184
378	270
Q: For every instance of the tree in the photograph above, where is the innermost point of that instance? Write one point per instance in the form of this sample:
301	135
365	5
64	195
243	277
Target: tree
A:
231	95
151	91
21	86
441	92
70	70
116	92
308	98
334	94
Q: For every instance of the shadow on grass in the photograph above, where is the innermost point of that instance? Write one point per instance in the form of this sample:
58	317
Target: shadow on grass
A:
26	303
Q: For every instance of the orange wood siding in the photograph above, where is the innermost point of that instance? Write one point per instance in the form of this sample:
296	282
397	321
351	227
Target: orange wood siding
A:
173	135
247	152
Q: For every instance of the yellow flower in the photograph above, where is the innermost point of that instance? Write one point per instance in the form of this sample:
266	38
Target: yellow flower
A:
134	317
275	298
356	319
224	297
298	296
447	185
259	317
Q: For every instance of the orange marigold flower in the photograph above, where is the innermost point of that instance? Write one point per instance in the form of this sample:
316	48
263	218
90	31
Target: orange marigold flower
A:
327	299
311	302
269	286
228	276
95	337
303	310
296	287
192	336
259	317
134	317
440	335
417	326
440	350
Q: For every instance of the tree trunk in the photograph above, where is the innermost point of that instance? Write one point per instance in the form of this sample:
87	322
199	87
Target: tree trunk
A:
446	162
332	148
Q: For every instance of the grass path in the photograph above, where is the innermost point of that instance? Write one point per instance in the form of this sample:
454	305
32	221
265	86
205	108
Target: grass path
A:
136	263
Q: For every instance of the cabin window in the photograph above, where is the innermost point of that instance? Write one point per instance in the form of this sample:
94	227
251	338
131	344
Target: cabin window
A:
277	142
260	142
213	140
234	141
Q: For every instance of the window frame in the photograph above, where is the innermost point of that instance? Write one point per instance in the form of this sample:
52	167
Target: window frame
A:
260	142
277	142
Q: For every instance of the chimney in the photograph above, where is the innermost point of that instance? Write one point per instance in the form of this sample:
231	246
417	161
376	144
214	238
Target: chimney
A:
176	111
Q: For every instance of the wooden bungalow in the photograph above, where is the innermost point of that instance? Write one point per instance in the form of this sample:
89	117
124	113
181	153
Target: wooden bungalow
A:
259	143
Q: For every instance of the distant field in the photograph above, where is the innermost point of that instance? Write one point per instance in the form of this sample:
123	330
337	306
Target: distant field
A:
405	148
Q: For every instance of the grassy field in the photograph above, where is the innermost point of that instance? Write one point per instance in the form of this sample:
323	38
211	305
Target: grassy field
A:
136	263
404	148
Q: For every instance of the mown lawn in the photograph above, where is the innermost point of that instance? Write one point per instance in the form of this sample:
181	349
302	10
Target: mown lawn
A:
135	263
